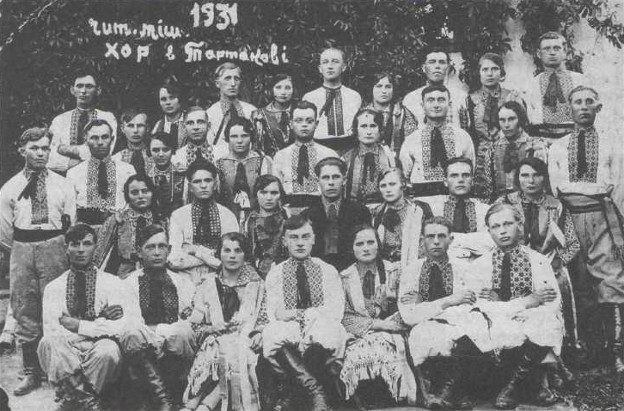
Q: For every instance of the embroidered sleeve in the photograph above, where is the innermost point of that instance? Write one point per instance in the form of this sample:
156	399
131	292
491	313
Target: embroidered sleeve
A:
263	318
573	245
355	323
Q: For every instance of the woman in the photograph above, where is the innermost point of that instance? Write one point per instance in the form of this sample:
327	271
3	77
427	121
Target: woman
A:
240	168
264	225
116	250
273	121
376	348
228	318
368	158
170	101
168	182
398	121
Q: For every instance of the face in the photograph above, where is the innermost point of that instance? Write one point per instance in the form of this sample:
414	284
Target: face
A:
240	140
299	242
331	64
490	73
585	106
330	182
368	131
202	185
435	104
552	52
365	246
155	251
437	240
197	125
140	195
99	140
136	128
459	179
232	255
504	229
383	91
85	90
304	124
269	197
36	153
169	104
436	66
509	122
391	187
530	181
283	91
161	153
80	252
229	83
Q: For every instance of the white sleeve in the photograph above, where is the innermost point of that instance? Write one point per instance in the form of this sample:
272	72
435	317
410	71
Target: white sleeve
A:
6	218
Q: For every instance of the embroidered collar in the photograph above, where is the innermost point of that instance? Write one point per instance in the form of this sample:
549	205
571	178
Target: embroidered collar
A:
326	203
429	126
486	92
28	172
90	268
271	108
364	149
106	160
442	263
250	154
299	143
399	204
452	199
517	250
166	171
589	131
248	274
525	199
559	70
332	88
203	203
134	214
140	147
363	268
204	145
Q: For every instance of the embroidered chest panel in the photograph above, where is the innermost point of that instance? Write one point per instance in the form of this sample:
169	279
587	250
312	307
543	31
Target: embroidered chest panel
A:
289	284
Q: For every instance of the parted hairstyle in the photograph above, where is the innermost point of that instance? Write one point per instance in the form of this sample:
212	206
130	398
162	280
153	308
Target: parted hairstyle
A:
580	88
295	222
457	160
304	105
143	178
517	108
201	165
498	207
331	161
496	59
261	183
551	35
240	239
247	128
131	113
165	138
78	232
148	232
392	78
377	119
381	269
227	66
382	174
435	87
97	122
540	168
193	109
438	220
34	134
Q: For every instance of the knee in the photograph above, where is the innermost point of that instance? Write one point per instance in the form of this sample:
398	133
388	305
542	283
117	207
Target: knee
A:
133	339
107	350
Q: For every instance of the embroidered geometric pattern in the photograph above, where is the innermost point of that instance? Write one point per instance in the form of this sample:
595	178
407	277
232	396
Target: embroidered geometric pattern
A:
561	112
94	200
310	183
521	277
252	165
392	238
289	281
206	224
437	173
71	298
191	152
39	203
471	213
73	128
591	154
165	310
335	122
128	232
447	276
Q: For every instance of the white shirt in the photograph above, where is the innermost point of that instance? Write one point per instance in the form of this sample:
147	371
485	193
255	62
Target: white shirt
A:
413	101
215	116
285	167
351	103
181	225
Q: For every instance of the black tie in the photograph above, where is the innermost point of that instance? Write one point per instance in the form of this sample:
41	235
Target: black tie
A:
198	155
303	167
173	132
391	219
438	151
490	117
102	180
81	294
30	190
436	283
141	223
331	236
581	154
460	222
82	122
553	92
240	179
510	158
369	167
283	125
368	288
531	226
138	162
303	288
505	281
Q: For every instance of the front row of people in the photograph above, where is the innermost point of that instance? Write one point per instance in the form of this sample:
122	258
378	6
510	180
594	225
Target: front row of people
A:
316	328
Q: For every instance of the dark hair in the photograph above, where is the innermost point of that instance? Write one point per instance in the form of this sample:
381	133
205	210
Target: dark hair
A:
341	51
377	119
261	183
193	109
382	174
540	168
201	165
304	105
148	232
165	138
281	77
331	161
580	88
439	220
172	88
247	128
144	178
551	35
131	113
85	73
240	239
435	87
381	269
34	134
519	110
432	50
498	207
458	160
96	122
78	232
295	222
393	79
496	59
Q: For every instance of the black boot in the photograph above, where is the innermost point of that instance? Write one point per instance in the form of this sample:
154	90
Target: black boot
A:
614	334
145	366
449	392
292	363
32	372
429	400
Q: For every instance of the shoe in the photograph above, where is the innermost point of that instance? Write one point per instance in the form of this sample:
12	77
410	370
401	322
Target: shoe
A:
545	397
32	372
29	383
428	399
531	356
449	391
145	365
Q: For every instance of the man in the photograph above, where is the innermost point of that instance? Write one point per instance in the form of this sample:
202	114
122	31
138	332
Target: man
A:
197	147
36	207
68	147
333	217
521	299
164	300
586	174
295	164
84	312
548	109
134	126
427	150
437	67
336	104
305	305
99	181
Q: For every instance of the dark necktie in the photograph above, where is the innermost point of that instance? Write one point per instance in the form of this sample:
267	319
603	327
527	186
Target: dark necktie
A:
581	151
141	223
331	240
173	132
505	281
531	226
460	222
283	124
230	303
510	158
490	117
303	167
391	219
304	300
240	179
389	128
102	180
30	191
438	151
368	287
369	167
81	294
83	119
138	162
553	92
436	283
198	155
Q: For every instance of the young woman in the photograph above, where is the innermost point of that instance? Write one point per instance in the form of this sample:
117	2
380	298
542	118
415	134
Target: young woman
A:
273	121
168	182
376	348
264	225
116	250
368	158
170	101
228	318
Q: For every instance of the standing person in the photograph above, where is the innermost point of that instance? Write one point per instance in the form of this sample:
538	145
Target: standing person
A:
426	151
228	78
240	168
171	103
398	121
335	103
228	317
68	147
169	182
273	121
367	159
332	216
295	164
305	304
197	145
84	313
136	153
99	181
36	207
264	225
546	95
586	174
376	346
437	68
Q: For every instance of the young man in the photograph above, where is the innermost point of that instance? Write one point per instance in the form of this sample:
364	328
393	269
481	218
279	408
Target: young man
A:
546	96
36	207
305	305
164	300
426	151
333	218
170	100
99	181
295	164
68	146
84	313
586	174
336	104
436	67
134	126
197	147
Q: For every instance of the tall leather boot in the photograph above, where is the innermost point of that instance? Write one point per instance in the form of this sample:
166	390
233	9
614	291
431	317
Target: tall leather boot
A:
428	398
531	356
145	366
32	372
293	364
449	393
